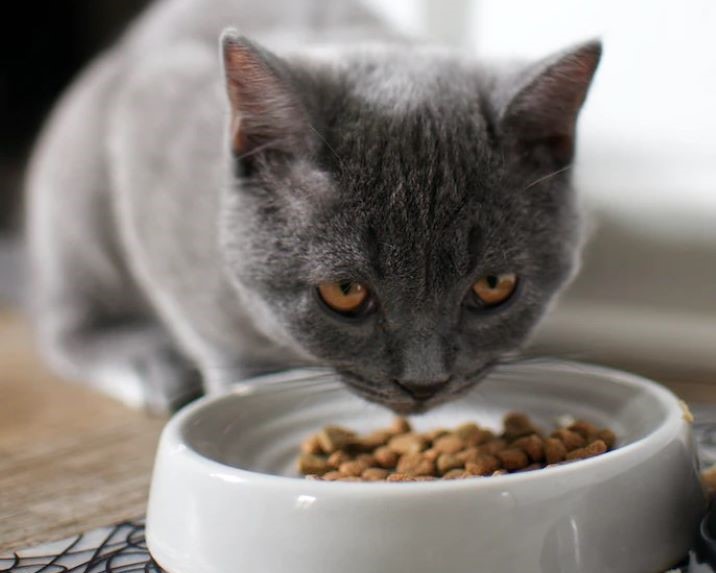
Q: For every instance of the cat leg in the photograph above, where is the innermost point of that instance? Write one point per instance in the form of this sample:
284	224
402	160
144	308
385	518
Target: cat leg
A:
93	322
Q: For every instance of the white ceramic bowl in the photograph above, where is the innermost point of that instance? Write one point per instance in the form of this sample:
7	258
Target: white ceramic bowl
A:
225	497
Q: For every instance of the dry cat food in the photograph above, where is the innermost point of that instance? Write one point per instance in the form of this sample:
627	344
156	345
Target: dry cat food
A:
399	453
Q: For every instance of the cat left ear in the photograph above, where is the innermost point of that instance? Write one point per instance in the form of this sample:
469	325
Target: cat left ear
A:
265	111
540	120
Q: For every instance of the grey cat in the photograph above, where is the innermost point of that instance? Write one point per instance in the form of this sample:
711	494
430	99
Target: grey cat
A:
349	198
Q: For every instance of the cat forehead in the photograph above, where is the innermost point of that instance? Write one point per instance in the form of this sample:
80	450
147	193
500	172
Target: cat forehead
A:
401	81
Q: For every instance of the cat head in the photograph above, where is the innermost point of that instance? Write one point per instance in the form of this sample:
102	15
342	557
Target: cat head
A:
401	215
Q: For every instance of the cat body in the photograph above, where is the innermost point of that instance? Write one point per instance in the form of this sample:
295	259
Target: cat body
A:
185	202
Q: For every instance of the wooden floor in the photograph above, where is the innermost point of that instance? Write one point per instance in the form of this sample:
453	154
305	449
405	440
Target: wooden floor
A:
70	459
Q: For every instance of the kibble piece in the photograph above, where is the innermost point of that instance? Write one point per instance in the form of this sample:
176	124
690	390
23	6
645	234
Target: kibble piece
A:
416	465
458	474
433	435
571	440
584	429
409	443
333	476
338	458
400	426
518	425
467	431
532	445
312	464
512	459
483	436
374	440
334	438
608	437
468	455
400	477
375	474
485	465
350	478
353	468
493	447
385	457
554	451
450	444
311	445
447	462
431	454
596	448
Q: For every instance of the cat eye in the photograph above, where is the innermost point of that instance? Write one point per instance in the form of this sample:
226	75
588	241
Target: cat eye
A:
493	290
348	298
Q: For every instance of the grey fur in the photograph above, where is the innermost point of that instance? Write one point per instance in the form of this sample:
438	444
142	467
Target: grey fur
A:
163	262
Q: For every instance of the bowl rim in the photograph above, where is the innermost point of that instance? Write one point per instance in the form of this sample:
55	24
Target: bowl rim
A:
172	438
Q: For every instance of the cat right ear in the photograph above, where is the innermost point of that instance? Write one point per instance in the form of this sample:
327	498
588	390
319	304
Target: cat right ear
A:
265	111
540	119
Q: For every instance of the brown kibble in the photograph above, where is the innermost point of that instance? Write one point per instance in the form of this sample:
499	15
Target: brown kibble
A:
485	465
312	446
447	462
431	454
338	458
608	437
584	429
571	440
457	474
554	451
353	468
468	455
517	425
410	443
375	474
596	448
450	444
374	440
312	464
433	435
493	447
385	457
467	431
416	465
513	459
400	454
400	477
334	438
532	445
400	426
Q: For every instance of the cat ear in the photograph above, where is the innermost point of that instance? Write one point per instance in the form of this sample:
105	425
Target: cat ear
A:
541	118
265	111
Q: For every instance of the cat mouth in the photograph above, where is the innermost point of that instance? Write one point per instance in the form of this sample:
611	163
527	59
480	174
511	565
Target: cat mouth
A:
401	400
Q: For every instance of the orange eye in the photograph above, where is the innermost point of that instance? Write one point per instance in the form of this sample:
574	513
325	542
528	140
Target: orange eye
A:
495	289
345	297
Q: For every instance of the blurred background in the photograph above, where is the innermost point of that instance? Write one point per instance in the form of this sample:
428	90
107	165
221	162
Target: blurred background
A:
646	168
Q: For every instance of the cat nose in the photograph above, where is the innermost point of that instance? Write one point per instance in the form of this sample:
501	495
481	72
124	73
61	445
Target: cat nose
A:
422	390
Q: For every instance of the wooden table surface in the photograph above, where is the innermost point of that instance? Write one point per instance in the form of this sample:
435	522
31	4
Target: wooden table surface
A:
72	460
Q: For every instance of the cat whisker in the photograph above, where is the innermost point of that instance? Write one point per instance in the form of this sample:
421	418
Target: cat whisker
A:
546	177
